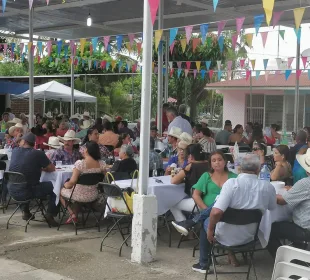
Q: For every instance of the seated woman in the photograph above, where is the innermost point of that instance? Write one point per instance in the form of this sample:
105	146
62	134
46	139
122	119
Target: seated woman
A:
274	135
126	162
90	164
197	165
237	136
180	160
282	170
257	136
298	171
206	141
93	135
260	149
123	139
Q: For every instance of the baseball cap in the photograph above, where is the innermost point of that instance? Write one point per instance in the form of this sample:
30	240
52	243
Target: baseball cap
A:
154	128
29	137
227	122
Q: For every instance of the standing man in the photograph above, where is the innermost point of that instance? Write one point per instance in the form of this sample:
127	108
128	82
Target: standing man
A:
11	116
4	122
248	130
223	136
182	112
177	121
165	122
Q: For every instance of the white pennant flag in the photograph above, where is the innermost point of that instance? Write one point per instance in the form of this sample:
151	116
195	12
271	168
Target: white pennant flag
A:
219	62
30	4
170	64
266	75
56	61
47	2
89	64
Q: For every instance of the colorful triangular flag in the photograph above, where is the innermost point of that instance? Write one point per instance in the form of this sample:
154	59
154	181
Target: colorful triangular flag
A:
282	33
203	73
172	47
3	5
106	40
298	73
265	61
298	15
119	41
158	35
173	33
249	39
220	27
239	24
304	61
131	37
264	37
258	22
208	64
276	17
215	2
154	4
219	75
204	31
188	33
253	62
221	43
268	7
289	61
257	73
287	73
247	74
198	63
298	34
196	42
211	74
234	39
242	62
183	44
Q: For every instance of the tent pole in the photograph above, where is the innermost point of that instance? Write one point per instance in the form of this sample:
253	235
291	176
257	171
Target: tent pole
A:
251	99
31	68
60	106
167	69
144	224
296	107
44	109
160	71
133	101
72	86
304	113
96	109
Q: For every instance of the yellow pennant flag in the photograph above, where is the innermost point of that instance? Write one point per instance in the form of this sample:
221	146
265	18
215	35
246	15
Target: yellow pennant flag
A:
113	63
268	7
249	39
128	46
70	61
298	15
183	44
198	63
253	61
158	34
82	42
29	46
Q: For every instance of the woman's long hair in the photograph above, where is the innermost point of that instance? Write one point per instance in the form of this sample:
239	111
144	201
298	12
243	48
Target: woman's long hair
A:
238	126
218	152
93	150
121	138
89	132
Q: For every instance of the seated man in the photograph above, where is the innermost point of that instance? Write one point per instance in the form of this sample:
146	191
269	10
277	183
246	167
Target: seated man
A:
108	138
244	192
31	162
298	199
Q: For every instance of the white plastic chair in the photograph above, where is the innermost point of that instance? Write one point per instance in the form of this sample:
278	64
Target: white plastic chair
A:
285	270
288	253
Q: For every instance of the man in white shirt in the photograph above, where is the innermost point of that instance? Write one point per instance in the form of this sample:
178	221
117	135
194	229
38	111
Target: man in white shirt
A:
177	121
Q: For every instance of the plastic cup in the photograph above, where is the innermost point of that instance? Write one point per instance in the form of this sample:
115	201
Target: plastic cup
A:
58	164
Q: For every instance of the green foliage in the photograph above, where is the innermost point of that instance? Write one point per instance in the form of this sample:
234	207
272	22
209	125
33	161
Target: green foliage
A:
12	69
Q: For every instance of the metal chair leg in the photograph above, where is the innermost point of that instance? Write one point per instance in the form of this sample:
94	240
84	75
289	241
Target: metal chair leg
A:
107	234
8	222
125	242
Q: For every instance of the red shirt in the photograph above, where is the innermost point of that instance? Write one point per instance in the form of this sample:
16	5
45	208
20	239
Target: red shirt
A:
61	132
165	122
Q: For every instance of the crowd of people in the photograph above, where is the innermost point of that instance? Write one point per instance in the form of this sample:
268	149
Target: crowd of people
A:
191	156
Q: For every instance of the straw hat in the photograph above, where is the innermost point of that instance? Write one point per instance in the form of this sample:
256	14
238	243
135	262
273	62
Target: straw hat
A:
108	118
86	124
70	135
304	160
15	120
86	114
175	132
182	145
205	121
12	128
48	115
185	137
53	142
34	116
75	116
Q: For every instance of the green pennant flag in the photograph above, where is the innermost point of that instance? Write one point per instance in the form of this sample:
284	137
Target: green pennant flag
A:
282	32
209	41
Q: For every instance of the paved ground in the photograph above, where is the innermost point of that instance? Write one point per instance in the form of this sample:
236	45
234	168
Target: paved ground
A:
48	254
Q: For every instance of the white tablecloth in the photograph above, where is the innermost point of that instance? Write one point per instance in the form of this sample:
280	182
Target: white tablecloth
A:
279	214
58	178
222	147
167	194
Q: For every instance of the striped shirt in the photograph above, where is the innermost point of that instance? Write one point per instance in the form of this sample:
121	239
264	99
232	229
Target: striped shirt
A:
298	199
208	146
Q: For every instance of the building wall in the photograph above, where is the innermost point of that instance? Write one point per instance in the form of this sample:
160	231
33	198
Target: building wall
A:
22	106
234	107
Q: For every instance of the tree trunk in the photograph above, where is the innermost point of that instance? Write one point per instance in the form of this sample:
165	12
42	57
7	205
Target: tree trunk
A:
193	108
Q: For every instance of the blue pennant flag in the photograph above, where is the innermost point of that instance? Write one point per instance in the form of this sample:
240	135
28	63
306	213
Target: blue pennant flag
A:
215	2
107	66
109	48
160	47
13	47
120	65
208	64
219	75
164	71
309	74
287	73
59	45
66	48
78	59
298	34
26	48
202	73
265	63
257	74
40	47
204	31
119	40
221	43
173	34
3	5
50	59
94	42
258	22
83	62
95	64
23	57
179	72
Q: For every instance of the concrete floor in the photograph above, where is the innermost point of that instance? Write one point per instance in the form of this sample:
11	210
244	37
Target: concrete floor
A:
44	253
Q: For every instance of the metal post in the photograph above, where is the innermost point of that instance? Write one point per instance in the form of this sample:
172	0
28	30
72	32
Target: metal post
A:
167	70
85	80
251	99
296	107
160	71
304	113
284	113
96	109
31	71
72	86
133	101
44	109
264	113
60	106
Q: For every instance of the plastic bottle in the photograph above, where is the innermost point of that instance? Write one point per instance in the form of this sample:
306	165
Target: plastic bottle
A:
264	173
155	170
230	165
3	126
237	165
284	140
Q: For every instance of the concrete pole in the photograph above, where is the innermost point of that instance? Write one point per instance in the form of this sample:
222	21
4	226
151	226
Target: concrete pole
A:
31	71
144	224
251	99
60	106
160	71
167	69
296	107
44	106
72	86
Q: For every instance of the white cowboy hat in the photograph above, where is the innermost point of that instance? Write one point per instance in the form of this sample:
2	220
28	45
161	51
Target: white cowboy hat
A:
86	114
34	116
175	132
304	160
108	118
86	124
205	121
12	128
75	116
53	142
15	121
185	137
49	115
183	144
70	135
60	115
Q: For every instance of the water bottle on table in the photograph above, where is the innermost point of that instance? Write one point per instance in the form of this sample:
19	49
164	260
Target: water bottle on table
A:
155	170
264	173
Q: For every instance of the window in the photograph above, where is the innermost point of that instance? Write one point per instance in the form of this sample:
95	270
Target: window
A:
257	108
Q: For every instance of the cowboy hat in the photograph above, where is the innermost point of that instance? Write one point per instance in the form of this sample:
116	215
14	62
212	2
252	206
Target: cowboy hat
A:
70	135
48	115
60	115
304	161
175	132
38	130
34	116
183	145
12	128
53	142
86	114
108	118
15	120
86	124
205	121
185	137
75	116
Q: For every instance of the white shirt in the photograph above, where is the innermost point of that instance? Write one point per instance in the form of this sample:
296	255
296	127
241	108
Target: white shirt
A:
182	124
244	192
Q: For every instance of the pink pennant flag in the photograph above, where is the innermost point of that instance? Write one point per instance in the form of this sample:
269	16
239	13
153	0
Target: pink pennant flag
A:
229	64
278	72
188	31
188	65
72	43
30	4
171	72
239	24
276	17
49	47
211	74
106	40
131	38
220	27
186	72
32	49
5	47
242	61
21	47
172	47
47	2
139	47
247	74
266	75
39	59
179	63
264	37
134	68
290	61
103	64
298	73
74	50
234	39
153	9
304	60
195	73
